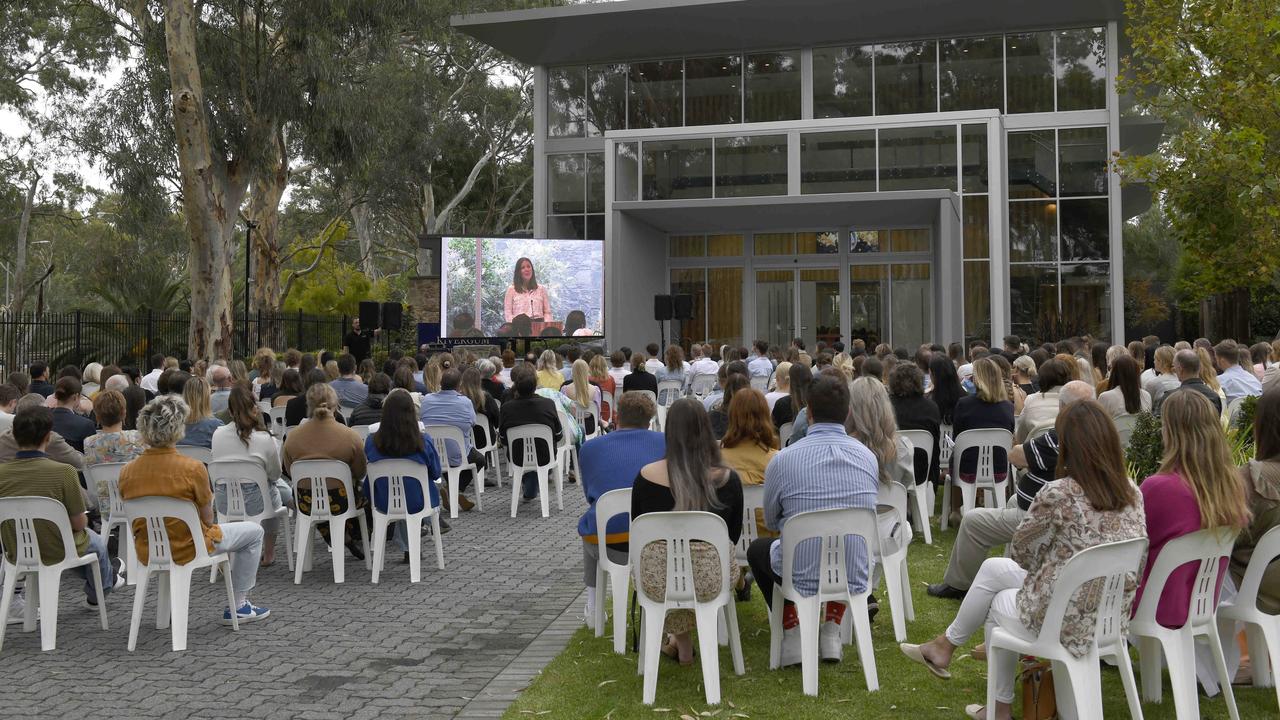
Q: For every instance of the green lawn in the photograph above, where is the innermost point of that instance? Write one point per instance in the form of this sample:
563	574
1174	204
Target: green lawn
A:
588	680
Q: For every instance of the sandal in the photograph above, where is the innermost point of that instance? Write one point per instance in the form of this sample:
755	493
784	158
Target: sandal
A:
913	653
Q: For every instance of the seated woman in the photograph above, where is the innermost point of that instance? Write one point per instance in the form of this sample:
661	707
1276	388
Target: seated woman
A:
1092	503
200	420
1125	395
246	438
692	476
914	411
719	413
675	369
639	378
370	411
400	437
549	375
871	422
471	387
583	395
1261	478
781	385
111	444
322	437
989	407
786	408
748	445
599	376
290	388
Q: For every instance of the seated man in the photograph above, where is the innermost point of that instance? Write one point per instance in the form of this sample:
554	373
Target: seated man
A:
33	473
350	388
612	462
162	471
449	407
57	450
67	422
526	407
824	470
982	529
9	395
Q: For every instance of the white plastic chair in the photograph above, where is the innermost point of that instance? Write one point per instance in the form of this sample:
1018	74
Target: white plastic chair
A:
921	441
828	527
703	385
612	503
174	581
362	431
656	423
318	474
1078	680
195	452
277	421
1262	630
235	476
488	448
752	500
784	433
109	475
396	474
679	530
669	391
441	436
893	559
529	436
566	453
1125	425
608	402
1206	548
23	512
760	383
984	443
581	414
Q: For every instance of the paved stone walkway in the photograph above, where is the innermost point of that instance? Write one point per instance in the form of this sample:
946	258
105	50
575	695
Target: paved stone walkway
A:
355	650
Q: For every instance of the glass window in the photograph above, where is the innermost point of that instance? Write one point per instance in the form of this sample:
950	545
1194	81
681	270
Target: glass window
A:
690	281
724	245
773	86
977	227
911	305
867	305
817	243
775	306
909	240
566	183
1033	166
751	166
1029	64
1081	69
595	182
567	227
595	227
1033	231
656	91
973	157
713	90
842	81
838	162
688	246
918	158
774	244
1033	301
626	171
606	98
907	78
1082	160
1086	230
677	169
566	108
724	306
865	241
1086	289
972	73
820	305
977	300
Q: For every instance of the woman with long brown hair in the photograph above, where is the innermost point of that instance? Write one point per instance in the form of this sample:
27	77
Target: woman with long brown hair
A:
246	438
1261	478
1091	503
1124	394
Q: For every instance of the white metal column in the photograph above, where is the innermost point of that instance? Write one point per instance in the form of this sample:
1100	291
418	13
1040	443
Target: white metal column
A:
540	153
1115	214
998	234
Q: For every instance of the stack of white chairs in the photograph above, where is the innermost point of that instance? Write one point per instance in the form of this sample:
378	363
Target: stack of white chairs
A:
617	577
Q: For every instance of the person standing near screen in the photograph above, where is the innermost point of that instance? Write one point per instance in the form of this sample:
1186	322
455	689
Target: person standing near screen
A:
357	343
525	296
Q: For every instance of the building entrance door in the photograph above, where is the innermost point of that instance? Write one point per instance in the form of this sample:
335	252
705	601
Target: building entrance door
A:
803	303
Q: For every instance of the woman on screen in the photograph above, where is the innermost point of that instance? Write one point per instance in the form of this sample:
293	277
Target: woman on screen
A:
525	296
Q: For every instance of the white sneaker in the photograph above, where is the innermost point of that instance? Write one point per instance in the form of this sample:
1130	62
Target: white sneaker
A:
16	607
791	654
830	642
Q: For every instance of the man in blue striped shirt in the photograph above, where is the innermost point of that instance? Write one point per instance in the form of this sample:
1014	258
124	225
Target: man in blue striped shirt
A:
824	470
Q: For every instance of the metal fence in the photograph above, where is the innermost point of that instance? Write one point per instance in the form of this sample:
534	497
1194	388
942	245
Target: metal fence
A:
81	337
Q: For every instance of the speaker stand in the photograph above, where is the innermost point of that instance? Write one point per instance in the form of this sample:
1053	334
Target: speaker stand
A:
662	336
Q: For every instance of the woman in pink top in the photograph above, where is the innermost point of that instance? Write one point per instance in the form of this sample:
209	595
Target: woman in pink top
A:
525	296
1196	487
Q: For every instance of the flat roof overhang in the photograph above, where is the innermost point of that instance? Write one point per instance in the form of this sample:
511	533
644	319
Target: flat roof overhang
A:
638	29
790	212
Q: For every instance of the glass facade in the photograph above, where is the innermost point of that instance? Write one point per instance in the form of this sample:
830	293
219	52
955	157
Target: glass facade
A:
843	81
906	77
676	169
713	89
918	158
751	166
971	73
773	87
575	194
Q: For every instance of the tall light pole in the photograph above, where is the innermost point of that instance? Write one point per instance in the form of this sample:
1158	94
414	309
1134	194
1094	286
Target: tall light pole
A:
248	260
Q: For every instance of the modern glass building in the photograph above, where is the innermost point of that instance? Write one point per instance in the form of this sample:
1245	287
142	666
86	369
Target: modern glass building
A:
901	172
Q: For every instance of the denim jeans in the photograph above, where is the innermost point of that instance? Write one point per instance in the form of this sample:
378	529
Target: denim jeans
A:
530	483
97	546
243	541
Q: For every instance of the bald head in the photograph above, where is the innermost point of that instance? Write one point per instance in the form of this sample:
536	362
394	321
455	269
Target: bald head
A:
220	377
117	382
1186	364
1074	392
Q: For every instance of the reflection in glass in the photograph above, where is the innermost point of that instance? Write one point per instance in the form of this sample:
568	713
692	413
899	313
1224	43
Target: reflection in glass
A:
864	241
842	81
566	183
977	227
1082	156
724	245
973	157
1033	167
1086	290
911	305
751	166
626	171
909	240
595	227
774	243
817	243
1029	64
867	304
1033	302
838	162
775	306
977	300
819	305
656	92
687	246
1081	69
1033	231
595	182
565	104
918	158
1086	230
606	98
713	90
773	86
724	306
907	77
566	227
677	169
690	281
972	72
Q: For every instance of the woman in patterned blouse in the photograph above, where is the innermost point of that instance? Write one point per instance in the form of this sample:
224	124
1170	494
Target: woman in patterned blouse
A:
525	296
1092	503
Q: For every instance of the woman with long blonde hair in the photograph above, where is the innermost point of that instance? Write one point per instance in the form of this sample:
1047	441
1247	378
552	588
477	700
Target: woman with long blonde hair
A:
549	375
1196	488
871	421
989	407
582	392
200	420
1209	375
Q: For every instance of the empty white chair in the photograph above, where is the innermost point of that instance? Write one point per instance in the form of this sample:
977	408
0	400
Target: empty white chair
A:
441	436
319	475
527	461
23	512
893	558
921	441
362	431
703	385
669	391
983	442
174	581
609	505
1263	630
237	475
784	433
1205	548
1081	688
759	382
486	442
277	421
108	475
195	452
397	474
679	530
828	527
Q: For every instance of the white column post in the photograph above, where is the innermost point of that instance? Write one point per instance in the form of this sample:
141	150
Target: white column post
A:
540	152
998	234
1115	215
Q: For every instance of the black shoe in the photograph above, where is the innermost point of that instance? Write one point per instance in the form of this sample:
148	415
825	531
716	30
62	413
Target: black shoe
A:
744	592
405	559
945	591
356	551
873	607
444	526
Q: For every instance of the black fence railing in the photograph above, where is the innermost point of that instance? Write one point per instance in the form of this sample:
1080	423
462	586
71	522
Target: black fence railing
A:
81	337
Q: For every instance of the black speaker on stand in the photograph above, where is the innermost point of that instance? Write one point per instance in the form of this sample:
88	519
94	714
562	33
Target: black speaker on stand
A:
662	312
370	317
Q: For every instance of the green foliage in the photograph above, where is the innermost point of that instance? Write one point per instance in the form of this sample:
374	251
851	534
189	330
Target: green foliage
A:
1146	448
324	284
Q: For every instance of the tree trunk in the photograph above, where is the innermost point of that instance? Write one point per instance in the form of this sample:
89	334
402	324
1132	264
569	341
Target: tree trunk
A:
212	190
20	290
360	223
1226	315
265	192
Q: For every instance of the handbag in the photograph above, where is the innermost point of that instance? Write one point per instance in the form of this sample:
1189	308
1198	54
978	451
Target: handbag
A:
1038	699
